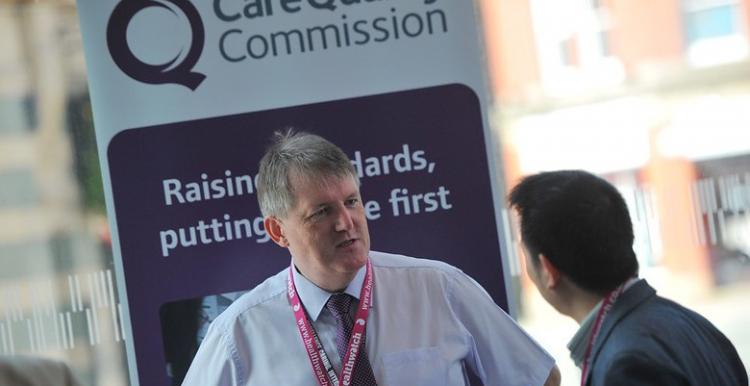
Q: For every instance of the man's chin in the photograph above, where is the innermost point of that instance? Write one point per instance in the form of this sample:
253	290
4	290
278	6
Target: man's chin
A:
354	258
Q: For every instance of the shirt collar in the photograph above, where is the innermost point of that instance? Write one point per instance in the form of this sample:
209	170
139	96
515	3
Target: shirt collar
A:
580	340
315	298
578	343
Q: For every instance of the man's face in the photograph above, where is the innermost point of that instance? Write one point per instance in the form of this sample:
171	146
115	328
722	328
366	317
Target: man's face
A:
532	268
539	276
326	231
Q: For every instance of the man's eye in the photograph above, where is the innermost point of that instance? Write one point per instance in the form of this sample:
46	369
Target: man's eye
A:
319	213
352	202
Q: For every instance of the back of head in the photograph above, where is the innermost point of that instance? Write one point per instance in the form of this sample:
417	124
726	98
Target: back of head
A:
581	224
299	155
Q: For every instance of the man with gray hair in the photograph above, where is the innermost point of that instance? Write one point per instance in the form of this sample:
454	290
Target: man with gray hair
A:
345	315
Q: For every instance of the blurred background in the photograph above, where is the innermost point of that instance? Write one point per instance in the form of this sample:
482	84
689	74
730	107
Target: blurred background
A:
652	95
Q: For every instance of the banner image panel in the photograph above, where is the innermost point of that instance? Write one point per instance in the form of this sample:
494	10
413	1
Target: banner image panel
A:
191	233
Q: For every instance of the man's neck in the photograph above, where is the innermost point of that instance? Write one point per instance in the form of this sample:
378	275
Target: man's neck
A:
329	283
581	304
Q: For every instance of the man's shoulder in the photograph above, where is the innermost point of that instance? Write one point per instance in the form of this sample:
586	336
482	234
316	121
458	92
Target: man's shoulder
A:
656	313
396	262
397	268
270	291
658	324
660	336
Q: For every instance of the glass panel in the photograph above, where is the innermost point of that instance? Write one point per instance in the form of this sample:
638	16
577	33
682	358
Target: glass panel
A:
679	151
58	300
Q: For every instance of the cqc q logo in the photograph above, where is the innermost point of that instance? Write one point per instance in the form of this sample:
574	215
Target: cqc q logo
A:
179	69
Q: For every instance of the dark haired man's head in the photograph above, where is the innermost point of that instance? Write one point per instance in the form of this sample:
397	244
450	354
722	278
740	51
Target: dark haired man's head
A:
580	224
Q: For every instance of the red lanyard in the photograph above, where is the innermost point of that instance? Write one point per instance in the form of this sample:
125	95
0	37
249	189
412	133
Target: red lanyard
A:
321	365
607	303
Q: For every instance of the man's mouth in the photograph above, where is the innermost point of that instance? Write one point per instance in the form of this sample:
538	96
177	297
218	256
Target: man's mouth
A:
346	243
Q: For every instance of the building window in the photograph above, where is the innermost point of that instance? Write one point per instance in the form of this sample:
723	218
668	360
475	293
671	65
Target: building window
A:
19	189
714	31
18	115
603	40
711	22
569	52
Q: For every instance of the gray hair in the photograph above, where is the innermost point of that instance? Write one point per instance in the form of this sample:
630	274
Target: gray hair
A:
297	154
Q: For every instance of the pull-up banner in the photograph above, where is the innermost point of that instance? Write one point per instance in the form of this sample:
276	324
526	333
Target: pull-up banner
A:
186	95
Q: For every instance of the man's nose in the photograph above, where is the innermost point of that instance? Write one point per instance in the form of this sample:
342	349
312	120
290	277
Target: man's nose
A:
344	221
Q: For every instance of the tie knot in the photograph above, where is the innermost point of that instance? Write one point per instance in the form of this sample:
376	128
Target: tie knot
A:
339	304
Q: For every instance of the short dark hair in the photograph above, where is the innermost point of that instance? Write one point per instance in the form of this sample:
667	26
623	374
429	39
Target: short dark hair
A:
290	152
580	222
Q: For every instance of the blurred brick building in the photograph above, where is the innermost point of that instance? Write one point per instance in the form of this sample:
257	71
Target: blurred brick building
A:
650	94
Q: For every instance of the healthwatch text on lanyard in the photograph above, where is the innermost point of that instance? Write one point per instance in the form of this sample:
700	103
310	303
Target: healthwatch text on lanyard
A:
607	303
324	372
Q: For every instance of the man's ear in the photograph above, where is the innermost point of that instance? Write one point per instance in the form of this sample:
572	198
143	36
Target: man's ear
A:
550	273
275	230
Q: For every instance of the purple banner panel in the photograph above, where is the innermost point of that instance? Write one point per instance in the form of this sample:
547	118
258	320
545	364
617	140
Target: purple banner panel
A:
190	227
